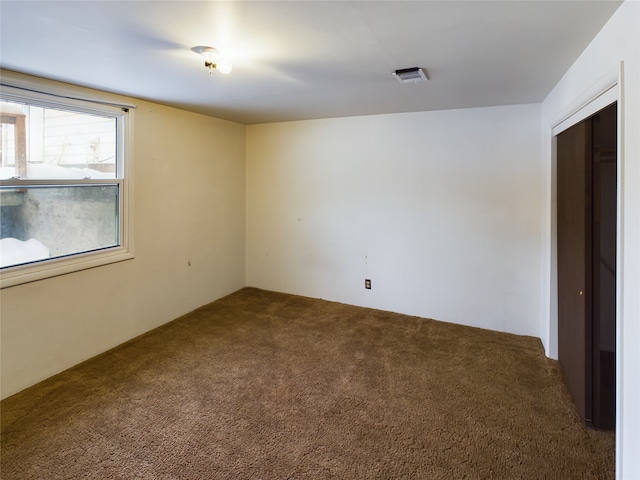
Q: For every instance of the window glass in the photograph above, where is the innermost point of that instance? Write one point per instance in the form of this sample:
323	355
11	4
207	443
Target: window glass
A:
39	223
51	143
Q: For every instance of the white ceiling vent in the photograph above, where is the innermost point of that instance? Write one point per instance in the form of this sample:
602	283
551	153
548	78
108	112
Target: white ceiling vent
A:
411	75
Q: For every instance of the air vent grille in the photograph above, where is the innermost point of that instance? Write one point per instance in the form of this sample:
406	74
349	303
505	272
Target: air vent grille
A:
411	75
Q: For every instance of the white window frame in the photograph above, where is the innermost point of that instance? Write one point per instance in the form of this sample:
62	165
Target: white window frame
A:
39	95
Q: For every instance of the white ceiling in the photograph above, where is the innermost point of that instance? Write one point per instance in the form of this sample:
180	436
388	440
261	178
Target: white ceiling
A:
298	60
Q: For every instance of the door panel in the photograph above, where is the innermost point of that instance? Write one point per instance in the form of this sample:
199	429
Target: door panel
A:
604	266
574	252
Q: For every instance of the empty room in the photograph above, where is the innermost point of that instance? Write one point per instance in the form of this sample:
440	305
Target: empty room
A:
317	239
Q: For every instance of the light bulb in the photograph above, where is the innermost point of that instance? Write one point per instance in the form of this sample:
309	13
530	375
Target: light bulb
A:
224	66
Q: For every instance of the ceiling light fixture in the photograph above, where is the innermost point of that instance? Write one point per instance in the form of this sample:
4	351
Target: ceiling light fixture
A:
213	59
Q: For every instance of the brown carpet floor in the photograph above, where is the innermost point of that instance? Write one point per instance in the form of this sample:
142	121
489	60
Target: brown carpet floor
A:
261	385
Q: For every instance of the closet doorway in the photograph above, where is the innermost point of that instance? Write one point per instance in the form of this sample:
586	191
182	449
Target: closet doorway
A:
586	216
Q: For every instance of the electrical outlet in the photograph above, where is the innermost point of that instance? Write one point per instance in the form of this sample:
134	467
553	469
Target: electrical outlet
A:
367	284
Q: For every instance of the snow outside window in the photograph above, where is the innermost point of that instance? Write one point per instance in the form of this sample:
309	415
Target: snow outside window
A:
63	185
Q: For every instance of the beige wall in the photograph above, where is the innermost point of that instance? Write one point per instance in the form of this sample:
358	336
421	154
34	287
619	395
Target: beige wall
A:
189	205
441	210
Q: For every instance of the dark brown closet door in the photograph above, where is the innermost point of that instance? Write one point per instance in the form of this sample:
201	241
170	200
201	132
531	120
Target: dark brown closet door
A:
574	259
604	266
587	220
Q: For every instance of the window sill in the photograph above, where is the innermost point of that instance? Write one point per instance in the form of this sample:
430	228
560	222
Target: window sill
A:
21	274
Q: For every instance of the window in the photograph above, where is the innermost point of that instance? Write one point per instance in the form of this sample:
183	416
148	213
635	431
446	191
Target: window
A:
63	185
